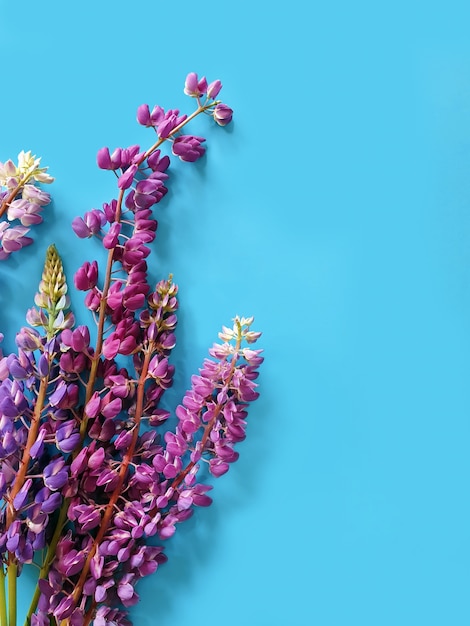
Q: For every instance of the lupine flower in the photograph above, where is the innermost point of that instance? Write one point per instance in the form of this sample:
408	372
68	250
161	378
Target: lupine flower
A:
213	89
21	200
86	276
90	224
223	114
194	87
12	239
170	121
188	148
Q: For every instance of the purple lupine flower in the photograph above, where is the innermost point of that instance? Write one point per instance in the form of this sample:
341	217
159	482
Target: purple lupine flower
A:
86	515
127	177
28	339
119	159
223	114
195	495
147	118
93	299
123	340
67	437
110	406
188	147
61	395
55	474
143	115
133	298
194	87
133	252
93	406
77	339
158	163
111	239
158	368
14	238
115	295
19	369
49	500
65	607
145	229
213	89
171	120
72	363
130	156
38	446
147	191
22	495
90	224
86	276
109	210
103	159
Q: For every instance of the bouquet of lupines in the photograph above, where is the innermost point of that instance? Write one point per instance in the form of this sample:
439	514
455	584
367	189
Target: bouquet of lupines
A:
92	479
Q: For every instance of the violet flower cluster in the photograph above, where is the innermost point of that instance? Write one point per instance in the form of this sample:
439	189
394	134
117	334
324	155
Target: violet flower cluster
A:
92	477
21	201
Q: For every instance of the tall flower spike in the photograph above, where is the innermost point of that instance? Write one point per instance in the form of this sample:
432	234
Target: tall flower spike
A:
52	295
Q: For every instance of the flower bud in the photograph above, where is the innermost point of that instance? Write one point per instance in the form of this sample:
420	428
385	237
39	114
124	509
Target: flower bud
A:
214	89
223	114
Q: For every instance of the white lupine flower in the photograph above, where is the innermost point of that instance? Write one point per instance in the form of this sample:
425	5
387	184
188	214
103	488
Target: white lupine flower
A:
42	177
21	199
27	162
227	334
27	168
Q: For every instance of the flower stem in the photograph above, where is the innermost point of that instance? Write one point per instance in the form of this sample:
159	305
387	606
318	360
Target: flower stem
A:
32	436
12	568
3	598
12	580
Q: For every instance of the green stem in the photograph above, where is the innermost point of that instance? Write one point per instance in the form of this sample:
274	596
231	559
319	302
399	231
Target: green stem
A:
3	599
12	569
12	573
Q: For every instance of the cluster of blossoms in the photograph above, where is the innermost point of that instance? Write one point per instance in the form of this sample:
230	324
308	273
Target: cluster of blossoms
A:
21	200
91	475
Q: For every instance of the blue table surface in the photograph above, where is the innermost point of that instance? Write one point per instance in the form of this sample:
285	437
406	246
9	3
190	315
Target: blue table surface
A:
336	210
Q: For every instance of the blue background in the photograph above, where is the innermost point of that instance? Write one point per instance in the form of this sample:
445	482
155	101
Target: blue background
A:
336	210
